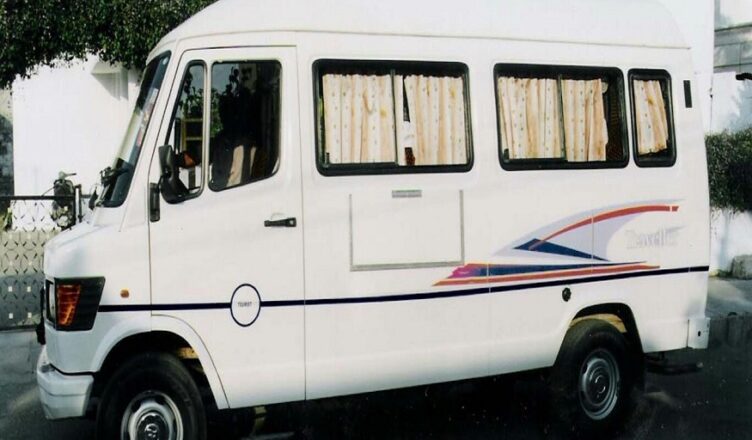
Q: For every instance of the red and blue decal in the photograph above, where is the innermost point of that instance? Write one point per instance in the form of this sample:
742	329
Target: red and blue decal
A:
565	240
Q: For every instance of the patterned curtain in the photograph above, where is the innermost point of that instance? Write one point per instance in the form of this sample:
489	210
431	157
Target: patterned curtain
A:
358	119
433	119
650	117
530	118
585	129
534	114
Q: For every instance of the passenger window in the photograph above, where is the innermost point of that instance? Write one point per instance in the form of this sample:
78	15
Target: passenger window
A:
652	121
245	113
560	117
392	117
186	132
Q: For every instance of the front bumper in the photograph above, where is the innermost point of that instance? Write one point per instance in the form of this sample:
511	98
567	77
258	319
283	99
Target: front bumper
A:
62	395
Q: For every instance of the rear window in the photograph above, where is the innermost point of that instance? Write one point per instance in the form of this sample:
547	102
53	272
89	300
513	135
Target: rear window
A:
652	118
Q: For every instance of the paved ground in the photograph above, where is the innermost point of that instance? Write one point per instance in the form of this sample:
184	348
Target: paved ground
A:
713	404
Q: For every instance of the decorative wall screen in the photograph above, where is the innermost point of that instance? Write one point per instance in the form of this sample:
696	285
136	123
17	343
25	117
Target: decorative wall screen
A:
26	224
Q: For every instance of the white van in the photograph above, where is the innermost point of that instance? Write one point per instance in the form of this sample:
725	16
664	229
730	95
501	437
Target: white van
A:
317	198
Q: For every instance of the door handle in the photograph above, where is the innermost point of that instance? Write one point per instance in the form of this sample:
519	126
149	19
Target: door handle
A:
288	222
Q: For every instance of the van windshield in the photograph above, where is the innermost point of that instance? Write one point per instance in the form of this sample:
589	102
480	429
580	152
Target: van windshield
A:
117	180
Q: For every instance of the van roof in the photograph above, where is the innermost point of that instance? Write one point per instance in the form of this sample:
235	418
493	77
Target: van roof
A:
612	22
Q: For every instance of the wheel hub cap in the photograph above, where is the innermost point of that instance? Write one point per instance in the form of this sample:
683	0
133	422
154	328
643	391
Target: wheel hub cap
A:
599	384
151	415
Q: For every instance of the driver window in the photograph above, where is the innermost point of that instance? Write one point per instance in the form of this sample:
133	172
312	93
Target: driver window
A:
244	125
186	132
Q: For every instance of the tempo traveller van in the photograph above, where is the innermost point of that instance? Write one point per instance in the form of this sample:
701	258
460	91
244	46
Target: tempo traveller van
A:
321	198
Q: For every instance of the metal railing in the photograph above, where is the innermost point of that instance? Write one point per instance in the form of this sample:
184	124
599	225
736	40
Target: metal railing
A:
26	224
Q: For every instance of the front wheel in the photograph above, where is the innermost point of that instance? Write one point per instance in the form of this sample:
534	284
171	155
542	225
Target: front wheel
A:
152	396
592	379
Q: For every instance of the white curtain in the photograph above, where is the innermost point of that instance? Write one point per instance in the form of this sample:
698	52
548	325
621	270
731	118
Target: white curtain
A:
436	130
530	117
650	117
585	129
533	115
358	119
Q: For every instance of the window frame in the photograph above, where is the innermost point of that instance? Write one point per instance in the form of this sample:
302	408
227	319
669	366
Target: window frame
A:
653	75
204	128
392	67
556	71
107	202
278	62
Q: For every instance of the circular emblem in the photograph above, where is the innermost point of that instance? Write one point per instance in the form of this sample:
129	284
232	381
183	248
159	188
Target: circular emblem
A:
245	305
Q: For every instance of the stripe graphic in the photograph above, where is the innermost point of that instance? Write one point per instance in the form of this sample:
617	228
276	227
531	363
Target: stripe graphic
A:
409	296
613	214
549	273
571	243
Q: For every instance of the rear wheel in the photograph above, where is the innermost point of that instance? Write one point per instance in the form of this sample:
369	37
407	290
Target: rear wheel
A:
154	397
592	379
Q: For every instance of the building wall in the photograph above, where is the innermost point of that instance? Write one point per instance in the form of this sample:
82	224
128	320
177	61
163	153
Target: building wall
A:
731	233
732	99
71	119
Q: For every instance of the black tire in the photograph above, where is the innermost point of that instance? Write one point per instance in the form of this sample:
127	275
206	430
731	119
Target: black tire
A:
156	379
594	350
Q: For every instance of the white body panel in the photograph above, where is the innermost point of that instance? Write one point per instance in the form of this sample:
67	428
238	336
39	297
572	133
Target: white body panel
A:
364	294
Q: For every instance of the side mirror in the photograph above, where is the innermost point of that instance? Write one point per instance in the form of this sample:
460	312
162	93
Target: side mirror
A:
154	202
93	200
172	189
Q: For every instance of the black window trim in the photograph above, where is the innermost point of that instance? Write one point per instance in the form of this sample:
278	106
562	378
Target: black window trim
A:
388	66
657	75
108	203
204	133
546	71
279	122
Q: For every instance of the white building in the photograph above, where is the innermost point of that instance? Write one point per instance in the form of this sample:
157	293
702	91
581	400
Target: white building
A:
71	119
732	99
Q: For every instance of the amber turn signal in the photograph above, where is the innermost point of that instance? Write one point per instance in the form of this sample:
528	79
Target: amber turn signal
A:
67	301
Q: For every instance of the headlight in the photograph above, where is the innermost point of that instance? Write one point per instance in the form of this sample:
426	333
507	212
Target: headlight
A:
75	303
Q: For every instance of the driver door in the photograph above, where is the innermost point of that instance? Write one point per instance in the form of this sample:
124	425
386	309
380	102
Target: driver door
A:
228	259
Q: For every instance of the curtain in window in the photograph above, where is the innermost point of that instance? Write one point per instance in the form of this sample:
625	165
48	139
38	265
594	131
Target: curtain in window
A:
585	129
358	119
650	117
530	117
433	122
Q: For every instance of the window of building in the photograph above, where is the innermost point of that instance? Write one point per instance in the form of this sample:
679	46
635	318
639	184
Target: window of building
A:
651	118
186	132
560	117
244	125
392	117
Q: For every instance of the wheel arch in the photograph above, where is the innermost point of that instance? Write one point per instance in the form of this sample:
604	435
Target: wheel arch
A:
171	335
619	315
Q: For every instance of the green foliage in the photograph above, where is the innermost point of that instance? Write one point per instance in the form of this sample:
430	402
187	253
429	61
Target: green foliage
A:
730	169
44	32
